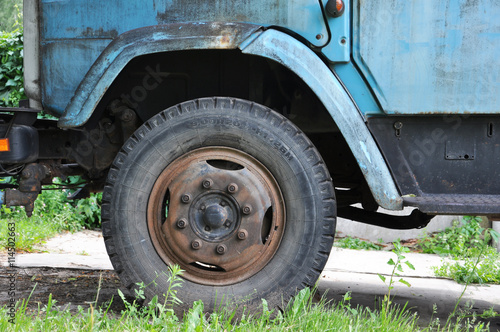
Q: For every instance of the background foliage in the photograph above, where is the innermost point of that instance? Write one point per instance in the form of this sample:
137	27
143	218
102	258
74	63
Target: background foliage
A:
11	69
11	53
9	14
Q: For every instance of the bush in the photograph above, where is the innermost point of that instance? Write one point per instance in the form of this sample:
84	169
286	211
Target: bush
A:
465	239
468	243
11	68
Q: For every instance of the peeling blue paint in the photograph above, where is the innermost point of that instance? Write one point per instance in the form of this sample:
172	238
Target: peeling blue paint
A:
74	33
365	150
429	57
146	41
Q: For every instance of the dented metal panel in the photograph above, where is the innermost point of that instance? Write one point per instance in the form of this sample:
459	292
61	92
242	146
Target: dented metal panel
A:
430	56
147	40
75	32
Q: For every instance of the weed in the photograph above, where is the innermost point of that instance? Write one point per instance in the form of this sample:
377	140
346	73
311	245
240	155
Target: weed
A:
487	272
397	265
301	314
464	239
154	311
468	243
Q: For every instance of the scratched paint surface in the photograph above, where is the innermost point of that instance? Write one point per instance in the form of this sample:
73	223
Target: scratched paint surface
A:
75	32
426	56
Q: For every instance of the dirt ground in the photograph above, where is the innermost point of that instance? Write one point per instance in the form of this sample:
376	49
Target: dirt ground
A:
69	287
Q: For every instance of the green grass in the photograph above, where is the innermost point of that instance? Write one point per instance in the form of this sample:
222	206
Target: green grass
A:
28	232
349	242
469	244
302	314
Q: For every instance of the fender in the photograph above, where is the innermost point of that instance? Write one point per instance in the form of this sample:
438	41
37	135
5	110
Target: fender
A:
294	55
250	39
148	40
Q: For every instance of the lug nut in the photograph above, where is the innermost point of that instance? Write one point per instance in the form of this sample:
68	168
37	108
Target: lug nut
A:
232	188
185	198
182	223
228	223
242	234
207	228
207	183
247	209
203	207
223	203
221	249
196	244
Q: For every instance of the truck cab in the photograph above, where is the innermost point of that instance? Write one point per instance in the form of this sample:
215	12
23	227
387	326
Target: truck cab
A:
227	136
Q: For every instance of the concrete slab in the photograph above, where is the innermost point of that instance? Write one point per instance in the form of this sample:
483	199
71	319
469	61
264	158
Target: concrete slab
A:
374	262
65	261
81	250
357	271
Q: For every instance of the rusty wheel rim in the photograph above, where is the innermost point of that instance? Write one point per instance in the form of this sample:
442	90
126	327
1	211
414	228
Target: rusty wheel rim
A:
218	213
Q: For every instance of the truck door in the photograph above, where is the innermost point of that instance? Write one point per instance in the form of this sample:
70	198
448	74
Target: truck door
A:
429	57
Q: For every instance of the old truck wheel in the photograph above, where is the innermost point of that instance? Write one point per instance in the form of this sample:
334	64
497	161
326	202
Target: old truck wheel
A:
229	190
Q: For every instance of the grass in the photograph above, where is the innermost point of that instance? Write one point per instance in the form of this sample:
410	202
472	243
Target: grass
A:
486	272
32	231
349	242
469	244
301	314
28	232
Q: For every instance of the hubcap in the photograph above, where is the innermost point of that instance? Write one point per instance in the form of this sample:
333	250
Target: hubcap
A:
218	213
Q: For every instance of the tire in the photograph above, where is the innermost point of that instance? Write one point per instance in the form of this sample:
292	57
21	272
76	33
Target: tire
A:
229	190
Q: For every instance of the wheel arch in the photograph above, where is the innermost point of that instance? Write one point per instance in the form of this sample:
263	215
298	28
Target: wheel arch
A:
148	40
270	44
294	55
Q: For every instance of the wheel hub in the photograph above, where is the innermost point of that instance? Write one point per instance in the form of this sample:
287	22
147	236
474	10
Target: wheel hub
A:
218	213
215	216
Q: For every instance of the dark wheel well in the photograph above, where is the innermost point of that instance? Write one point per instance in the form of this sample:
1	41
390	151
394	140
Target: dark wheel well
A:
151	83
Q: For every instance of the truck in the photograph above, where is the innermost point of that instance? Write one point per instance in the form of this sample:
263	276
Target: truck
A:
227	136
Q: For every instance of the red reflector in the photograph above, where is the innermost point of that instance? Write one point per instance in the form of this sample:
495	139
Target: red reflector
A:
4	145
340	5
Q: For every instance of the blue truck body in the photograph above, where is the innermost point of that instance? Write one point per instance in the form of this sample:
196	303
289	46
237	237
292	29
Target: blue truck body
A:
399	99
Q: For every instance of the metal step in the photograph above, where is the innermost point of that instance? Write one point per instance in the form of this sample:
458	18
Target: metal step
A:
456	204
